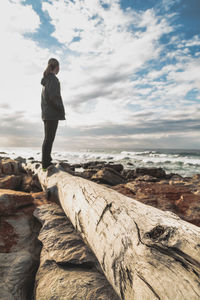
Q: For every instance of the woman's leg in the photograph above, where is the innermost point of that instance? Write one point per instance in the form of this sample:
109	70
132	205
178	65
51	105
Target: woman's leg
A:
50	127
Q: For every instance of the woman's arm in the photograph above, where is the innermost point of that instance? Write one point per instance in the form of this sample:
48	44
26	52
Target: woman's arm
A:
54	95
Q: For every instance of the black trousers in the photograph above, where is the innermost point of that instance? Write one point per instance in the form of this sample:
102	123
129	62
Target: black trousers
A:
50	127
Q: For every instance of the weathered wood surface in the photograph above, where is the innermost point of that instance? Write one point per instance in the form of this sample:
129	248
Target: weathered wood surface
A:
144	252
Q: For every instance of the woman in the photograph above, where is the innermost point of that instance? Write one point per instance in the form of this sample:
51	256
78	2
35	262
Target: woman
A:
52	109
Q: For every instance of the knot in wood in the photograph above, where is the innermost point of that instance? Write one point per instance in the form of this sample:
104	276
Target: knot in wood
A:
155	233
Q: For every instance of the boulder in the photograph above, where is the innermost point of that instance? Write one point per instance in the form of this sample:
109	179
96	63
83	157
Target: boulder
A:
19	246
91	164
129	174
12	202
188	205
66	263
117	167
155	172
108	175
30	183
196	177
66	167
10	182
10	167
20	159
88	173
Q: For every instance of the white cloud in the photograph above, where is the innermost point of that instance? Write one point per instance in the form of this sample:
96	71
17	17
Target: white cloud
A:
97	82
22	59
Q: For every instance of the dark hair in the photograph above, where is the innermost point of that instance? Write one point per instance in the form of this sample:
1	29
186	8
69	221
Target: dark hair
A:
52	64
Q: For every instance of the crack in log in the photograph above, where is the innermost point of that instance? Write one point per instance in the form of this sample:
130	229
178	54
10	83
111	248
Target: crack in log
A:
139	237
149	286
124	274
91	196
103	261
107	207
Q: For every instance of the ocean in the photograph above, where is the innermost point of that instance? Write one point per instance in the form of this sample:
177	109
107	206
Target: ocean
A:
180	161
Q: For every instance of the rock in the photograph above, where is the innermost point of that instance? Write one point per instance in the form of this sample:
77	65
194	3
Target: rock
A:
189	206
117	167
40	198
155	172
109	176
10	182
66	263
196	177
10	167
30	183
91	164
74	166
147	178
19	246
179	199
14	201
20	159
66	167
129	174
88	173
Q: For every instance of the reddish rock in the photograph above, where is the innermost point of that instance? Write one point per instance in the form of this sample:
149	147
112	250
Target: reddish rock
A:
177	198
10	182
8	236
14	201
187	202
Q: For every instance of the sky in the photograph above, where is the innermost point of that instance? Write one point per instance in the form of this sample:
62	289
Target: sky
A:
129	72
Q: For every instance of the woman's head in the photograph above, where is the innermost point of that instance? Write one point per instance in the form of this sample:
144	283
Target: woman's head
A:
52	67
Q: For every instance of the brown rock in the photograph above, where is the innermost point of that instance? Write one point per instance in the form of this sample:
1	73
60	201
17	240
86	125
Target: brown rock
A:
66	167
129	174
147	178
88	173
10	182
40	198
117	167
10	166
186	202
155	172
179	199
109	176
196	177
14	201
30	183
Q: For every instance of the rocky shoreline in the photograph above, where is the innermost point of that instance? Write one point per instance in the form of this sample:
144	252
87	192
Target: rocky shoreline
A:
38	243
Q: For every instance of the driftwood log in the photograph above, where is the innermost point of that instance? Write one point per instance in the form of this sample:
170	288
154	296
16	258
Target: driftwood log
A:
144	252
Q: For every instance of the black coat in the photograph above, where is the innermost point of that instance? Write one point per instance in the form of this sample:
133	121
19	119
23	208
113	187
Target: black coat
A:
51	100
